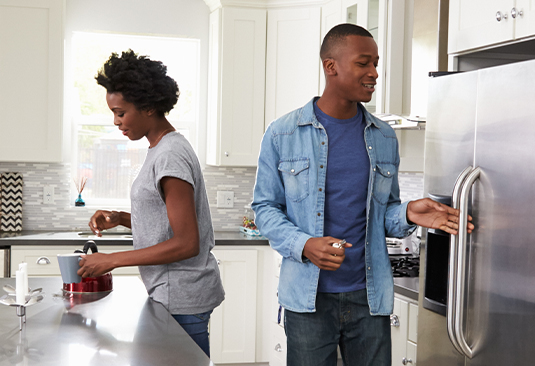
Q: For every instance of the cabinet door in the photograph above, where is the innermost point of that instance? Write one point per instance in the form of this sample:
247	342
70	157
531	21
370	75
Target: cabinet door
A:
292	57
233	323
236	86
525	23
399	323
474	24
31	79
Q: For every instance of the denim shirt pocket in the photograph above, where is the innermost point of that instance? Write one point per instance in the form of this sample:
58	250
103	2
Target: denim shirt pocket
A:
384	172
294	174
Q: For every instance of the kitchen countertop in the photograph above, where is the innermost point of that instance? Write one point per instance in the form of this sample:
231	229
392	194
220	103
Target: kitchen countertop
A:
111	238
407	286
124	327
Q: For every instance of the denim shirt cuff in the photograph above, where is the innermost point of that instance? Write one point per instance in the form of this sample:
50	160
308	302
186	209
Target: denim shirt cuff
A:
403	218
298	243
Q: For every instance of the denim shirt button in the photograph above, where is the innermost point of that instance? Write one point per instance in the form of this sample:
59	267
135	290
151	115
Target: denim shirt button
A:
373	169
369	147
369	268
319	214
293	171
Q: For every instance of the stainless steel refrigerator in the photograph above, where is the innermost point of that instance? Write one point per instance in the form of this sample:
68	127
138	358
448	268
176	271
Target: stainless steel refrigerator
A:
477	298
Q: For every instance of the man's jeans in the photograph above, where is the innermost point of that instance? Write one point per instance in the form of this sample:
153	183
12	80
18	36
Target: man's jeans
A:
196	326
340	319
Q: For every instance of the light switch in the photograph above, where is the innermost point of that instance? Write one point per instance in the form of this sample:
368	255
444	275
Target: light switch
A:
225	199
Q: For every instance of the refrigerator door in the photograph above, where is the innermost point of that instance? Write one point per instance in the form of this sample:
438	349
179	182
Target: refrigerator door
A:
449	149
500	309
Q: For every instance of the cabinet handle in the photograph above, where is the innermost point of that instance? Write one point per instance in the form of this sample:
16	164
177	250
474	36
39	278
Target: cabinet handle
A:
514	12
42	261
500	16
226	154
278	347
394	320
406	361
218	262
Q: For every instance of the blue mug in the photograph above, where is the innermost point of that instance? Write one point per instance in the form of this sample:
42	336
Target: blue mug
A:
68	265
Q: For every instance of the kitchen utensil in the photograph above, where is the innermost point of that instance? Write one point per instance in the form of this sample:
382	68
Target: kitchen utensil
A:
102	283
10	289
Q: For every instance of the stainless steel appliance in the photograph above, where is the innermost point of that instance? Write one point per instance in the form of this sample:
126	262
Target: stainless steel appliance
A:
479	152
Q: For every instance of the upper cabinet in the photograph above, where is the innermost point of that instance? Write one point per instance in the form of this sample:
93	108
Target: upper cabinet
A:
292	59
31	79
237	53
264	63
475	24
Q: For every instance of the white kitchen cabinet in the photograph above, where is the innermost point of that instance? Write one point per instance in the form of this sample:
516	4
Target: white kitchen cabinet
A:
404	323
233	323
31	76
42	260
292	59
237	52
477	24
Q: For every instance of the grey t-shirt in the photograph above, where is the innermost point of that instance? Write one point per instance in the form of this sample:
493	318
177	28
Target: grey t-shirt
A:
193	285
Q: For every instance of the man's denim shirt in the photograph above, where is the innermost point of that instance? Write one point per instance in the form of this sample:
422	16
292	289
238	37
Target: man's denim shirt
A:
289	198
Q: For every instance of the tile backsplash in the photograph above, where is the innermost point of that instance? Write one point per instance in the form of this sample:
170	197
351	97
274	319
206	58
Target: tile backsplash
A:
62	215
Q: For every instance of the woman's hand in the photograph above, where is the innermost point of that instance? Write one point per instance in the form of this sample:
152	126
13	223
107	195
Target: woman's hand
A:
96	264
102	220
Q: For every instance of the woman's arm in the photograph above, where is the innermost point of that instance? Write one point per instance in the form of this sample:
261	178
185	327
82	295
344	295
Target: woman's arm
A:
102	220
180	204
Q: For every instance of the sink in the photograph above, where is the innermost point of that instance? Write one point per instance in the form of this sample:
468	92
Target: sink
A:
106	234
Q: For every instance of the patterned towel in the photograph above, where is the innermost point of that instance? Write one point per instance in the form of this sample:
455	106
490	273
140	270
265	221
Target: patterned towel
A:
10	202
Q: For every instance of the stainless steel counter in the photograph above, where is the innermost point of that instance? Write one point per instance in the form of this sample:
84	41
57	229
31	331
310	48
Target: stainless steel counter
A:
111	238
407	286
124	327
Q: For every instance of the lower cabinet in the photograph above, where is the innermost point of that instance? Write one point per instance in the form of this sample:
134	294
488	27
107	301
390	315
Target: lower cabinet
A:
239	327
43	261
404	322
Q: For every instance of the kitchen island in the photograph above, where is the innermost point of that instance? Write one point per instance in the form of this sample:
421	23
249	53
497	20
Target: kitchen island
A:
122	327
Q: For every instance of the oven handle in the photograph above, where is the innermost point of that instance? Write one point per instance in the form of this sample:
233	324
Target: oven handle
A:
461	262
452	273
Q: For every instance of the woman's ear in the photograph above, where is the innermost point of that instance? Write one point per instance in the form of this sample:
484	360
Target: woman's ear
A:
150	112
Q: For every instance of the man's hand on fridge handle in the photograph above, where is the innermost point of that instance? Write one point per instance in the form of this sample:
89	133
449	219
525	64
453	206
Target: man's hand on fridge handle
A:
431	214
323	254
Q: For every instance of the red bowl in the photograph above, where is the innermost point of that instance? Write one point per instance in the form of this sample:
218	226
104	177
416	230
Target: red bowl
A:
102	283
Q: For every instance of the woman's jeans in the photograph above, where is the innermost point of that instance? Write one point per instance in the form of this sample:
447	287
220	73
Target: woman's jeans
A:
196	325
340	319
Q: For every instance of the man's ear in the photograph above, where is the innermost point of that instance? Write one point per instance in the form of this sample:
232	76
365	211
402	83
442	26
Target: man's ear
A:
329	66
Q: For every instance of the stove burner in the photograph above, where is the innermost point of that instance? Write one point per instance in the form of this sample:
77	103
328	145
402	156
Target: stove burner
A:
405	266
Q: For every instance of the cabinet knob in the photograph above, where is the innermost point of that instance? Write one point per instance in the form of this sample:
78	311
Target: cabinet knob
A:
515	12
500	16
394	320
406	361
226	154
218	262
278	347
42	261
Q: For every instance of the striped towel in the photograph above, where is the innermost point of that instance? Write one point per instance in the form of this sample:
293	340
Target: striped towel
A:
11	202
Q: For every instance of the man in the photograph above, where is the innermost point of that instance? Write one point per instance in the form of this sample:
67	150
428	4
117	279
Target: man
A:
327	172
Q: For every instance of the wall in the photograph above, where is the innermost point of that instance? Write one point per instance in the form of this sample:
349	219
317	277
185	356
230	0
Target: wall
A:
64	216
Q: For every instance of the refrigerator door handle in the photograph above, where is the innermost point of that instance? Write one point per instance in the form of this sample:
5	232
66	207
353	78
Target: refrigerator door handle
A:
461	262
452	270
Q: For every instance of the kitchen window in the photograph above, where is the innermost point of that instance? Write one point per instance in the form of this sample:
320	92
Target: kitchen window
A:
101	153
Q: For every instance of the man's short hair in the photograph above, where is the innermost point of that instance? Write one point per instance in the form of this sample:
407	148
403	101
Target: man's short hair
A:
338	34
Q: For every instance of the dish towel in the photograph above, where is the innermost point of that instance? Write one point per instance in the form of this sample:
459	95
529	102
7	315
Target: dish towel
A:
11	202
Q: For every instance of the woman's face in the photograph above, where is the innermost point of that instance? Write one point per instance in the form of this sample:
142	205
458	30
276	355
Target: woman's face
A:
131	121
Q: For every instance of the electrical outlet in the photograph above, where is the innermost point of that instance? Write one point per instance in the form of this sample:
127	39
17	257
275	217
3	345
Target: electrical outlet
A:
225	199
48	194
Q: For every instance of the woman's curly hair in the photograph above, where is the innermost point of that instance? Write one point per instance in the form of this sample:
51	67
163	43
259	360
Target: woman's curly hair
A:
142	81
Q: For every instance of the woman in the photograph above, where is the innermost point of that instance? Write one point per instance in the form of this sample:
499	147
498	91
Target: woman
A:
170	219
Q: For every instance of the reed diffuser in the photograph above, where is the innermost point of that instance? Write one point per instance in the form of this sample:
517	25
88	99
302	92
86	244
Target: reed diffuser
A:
80	187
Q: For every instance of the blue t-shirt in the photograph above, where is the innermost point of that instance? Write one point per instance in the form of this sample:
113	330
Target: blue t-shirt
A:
346	192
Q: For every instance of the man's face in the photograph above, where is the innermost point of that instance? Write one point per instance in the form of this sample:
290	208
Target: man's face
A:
356	61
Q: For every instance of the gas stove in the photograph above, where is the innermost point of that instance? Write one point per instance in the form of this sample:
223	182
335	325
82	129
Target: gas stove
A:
405	266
